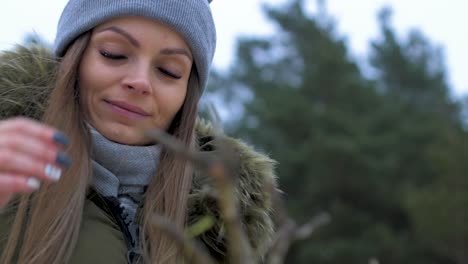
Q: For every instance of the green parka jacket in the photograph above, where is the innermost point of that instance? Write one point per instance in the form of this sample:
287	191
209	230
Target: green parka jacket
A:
26	77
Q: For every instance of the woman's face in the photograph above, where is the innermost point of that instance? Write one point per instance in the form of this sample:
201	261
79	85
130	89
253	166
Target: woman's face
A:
133	76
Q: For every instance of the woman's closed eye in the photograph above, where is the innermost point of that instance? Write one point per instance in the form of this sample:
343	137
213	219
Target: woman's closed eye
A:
112	56
115	56
168	73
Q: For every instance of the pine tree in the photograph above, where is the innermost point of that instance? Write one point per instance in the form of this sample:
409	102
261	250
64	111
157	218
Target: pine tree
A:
359	149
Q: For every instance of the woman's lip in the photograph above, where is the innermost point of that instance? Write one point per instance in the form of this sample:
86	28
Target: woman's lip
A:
128	107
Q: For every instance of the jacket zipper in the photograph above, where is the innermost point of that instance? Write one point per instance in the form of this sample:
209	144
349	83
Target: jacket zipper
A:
112	206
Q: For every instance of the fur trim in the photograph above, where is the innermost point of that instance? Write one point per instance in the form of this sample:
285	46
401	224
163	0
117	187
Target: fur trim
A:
255	171
26	78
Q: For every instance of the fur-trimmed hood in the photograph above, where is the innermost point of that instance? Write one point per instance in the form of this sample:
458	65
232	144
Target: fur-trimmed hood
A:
26	78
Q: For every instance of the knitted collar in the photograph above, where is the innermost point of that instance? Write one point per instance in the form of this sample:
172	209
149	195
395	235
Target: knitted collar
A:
122	172
121	169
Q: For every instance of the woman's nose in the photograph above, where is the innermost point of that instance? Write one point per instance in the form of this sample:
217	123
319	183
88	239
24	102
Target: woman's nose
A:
138	81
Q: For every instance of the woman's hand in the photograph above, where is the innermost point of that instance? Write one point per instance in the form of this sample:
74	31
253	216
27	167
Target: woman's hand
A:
30	153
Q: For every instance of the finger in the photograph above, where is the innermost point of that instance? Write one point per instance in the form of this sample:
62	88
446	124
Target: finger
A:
32	128
34	147
15	183
21	164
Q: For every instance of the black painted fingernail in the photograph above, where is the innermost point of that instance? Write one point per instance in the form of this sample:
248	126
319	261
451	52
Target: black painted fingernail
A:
63	159
61	138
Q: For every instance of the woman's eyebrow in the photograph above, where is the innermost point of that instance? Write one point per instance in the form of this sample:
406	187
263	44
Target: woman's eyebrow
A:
134	42
124	33
176	51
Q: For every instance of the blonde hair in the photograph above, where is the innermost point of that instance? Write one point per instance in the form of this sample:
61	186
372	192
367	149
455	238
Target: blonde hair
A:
47	223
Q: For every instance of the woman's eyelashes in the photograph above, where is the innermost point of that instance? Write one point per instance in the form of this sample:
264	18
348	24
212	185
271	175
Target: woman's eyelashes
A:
168	73
112	56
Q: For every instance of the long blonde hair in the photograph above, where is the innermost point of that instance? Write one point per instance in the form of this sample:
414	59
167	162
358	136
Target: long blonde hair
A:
46	225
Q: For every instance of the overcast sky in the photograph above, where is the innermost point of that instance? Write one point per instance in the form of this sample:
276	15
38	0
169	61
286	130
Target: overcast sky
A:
444	22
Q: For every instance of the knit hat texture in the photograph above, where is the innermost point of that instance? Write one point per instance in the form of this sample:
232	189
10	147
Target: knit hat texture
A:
192	19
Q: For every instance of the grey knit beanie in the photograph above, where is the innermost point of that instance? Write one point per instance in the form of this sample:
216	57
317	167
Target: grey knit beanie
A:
192	19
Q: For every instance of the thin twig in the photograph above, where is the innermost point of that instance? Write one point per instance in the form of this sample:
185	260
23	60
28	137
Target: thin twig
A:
306	230
239	249
191	250
178	148
289	233
281	216
281	243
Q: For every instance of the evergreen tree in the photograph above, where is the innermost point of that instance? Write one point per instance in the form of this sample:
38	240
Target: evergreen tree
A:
412	71
316	114
362	150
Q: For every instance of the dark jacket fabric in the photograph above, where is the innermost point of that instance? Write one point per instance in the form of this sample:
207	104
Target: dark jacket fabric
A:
26	79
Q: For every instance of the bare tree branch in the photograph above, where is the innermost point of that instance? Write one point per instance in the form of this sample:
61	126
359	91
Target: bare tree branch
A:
221	169
306	230
191	250
239	249
281	243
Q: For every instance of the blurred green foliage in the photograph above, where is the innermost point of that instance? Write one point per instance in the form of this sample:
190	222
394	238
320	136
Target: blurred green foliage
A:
385	155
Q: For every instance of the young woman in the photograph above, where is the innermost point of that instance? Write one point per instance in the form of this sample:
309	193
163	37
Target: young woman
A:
79	180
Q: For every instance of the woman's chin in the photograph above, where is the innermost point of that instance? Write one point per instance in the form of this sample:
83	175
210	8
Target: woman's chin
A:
124	135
